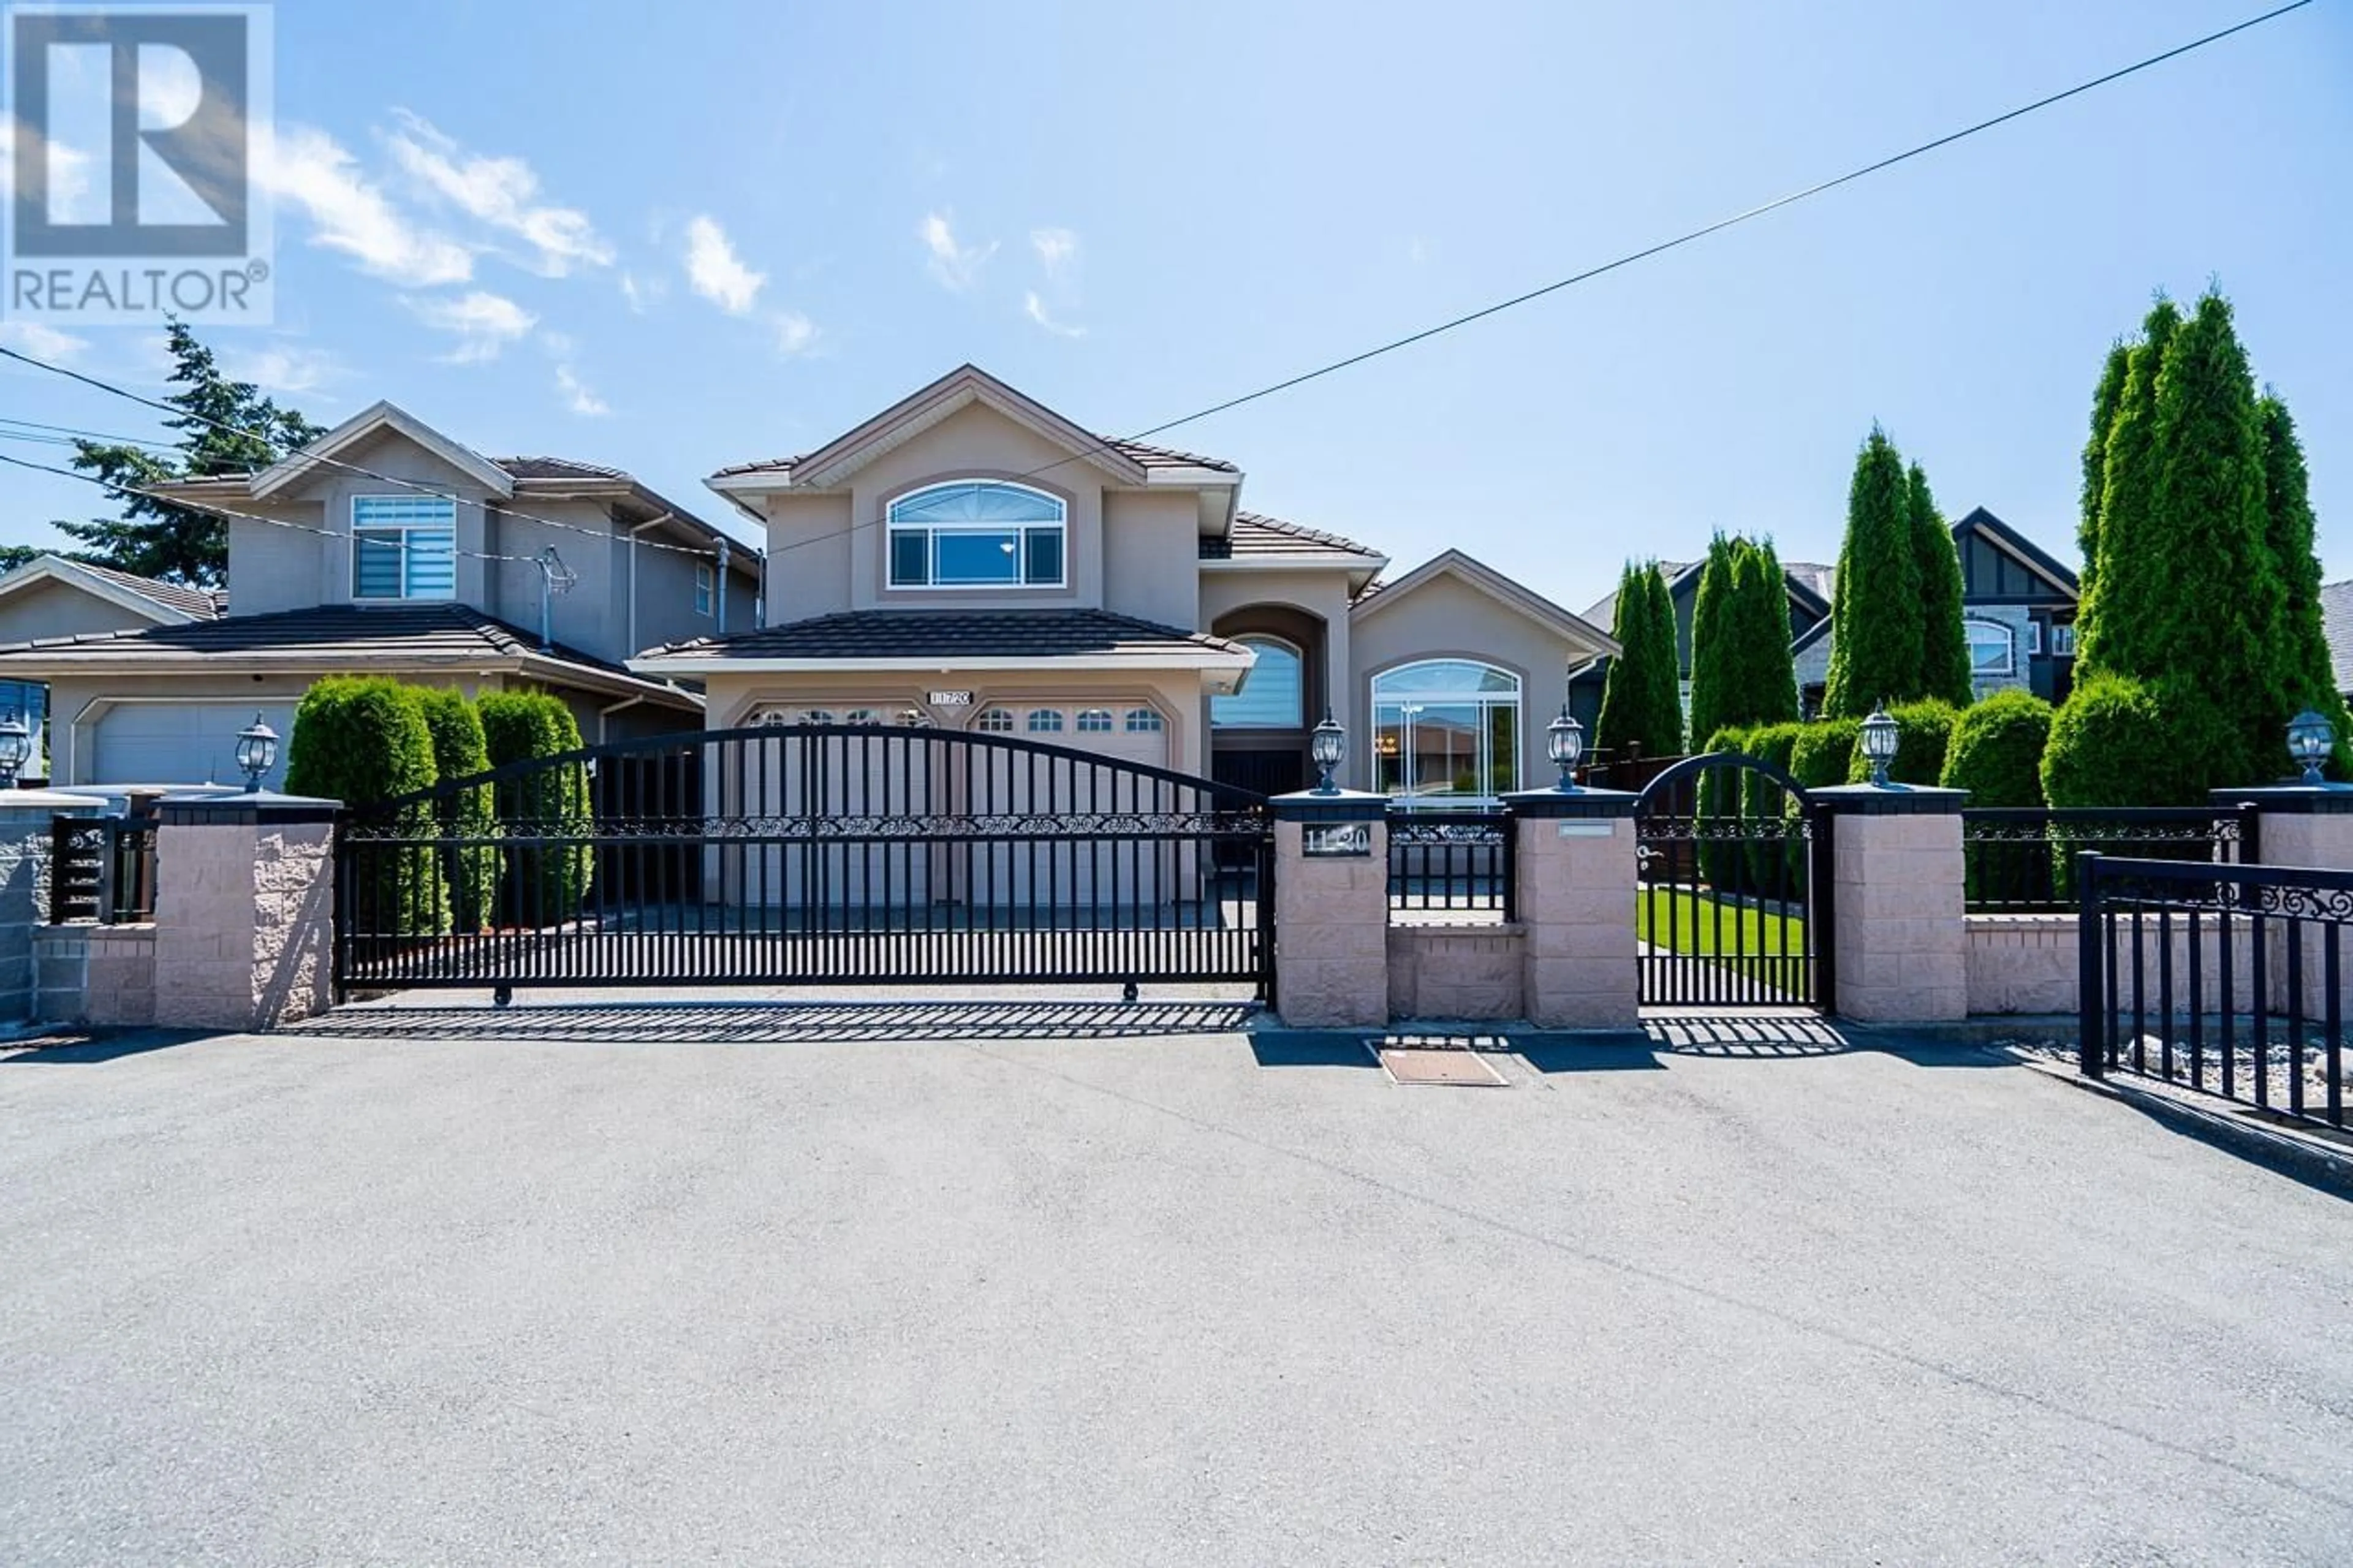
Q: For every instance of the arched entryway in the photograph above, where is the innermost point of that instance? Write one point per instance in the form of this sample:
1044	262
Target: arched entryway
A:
1258	736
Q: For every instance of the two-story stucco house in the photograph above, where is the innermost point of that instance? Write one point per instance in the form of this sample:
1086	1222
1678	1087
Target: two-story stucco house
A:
387	547
970	559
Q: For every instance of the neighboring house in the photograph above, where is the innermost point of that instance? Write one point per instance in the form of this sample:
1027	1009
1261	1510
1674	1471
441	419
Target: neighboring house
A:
51	597
1808	584
2336	623
2018	607
430	573
970	559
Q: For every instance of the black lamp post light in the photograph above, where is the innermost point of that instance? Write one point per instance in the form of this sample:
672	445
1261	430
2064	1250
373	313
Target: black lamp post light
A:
1879	740
1565	744
1328	745
2310	739
15	749
257	752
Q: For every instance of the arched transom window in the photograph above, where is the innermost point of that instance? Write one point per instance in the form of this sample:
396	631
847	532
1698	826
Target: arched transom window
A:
1992	648
1272	694
977	533
1446	731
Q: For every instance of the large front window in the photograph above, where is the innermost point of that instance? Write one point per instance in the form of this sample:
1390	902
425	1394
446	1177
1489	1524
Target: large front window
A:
977	533
1990	646
404	547
1446	732
1272	694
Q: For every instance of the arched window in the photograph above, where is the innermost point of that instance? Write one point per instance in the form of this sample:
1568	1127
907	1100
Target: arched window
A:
817	716
1992	648
1446	731
1272	696
914	718
770	717
977	533
1144	722
862	716
1045	722
1094	721
994	721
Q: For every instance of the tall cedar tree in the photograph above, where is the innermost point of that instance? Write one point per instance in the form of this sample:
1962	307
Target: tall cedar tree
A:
2127	510
1944	645
2106	398
1768	674
1875	633
2208	577
1639	704
1715	650
153	537
2308	676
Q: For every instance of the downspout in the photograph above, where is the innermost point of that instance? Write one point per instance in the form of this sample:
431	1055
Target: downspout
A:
725	545
640	528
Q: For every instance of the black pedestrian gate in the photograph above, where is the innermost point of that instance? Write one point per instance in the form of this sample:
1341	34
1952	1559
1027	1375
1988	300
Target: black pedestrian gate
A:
808	853
1733	900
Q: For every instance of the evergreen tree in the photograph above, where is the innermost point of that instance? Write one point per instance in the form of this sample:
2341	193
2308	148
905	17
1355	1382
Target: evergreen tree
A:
2106	398
153	538
1944	645
2308	675
1640	706
1769	673
1875	630
2128	507
1714	651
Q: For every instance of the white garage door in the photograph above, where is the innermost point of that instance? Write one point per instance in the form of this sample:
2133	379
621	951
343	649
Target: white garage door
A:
181	742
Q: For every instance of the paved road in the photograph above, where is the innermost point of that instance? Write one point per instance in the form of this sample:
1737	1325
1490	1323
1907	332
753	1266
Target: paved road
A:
1008	1300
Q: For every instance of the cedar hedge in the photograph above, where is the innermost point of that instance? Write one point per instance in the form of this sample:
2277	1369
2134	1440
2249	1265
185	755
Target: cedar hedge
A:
364	739
1996	754
1823	752
460	752
545	883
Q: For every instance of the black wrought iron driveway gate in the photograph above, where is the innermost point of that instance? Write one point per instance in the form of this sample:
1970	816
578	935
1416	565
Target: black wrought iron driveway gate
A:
1733	903
808	853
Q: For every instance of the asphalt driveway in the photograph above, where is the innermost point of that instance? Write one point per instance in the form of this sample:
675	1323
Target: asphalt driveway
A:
1016	1297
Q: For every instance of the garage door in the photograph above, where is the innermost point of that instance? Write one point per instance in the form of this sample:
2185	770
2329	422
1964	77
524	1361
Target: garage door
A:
181	742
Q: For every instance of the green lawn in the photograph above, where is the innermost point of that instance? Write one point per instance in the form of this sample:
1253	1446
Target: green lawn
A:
1697	923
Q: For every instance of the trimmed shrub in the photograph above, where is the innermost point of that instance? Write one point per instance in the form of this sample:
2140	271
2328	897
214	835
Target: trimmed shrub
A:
363	740
1640	705
1717	799
545	884
1875	605
1823	752
2116	741
1777	869
459	752
1922	730
1996	754
1945	671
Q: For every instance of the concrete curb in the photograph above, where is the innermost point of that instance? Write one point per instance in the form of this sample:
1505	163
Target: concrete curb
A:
2310	1158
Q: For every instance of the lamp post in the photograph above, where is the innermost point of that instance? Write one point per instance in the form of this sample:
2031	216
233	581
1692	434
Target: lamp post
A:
257	752
1565	744
1879	741
15	749
1327	743
2310	739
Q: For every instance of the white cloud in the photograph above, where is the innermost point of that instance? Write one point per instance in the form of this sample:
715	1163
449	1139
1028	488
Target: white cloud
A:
308	169
42	342
70	176
1056	249
715	270
483	322
502	193
1035	309
957	266
577	394
642	294
286	369
796	335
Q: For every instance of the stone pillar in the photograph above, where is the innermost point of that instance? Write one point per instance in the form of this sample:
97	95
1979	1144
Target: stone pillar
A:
1899	930
1575	903
2309	826
244	909
1332	910
26	816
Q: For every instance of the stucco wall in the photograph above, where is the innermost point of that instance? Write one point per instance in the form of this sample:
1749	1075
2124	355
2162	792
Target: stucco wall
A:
1152	551
582	619
809	549
288	569
53	609
1444	618
1322	594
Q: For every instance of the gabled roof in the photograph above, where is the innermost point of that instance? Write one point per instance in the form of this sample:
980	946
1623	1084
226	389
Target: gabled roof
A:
935	639
1130	462
330	640
1495	586
2019	548
1255	535
165	603
368	422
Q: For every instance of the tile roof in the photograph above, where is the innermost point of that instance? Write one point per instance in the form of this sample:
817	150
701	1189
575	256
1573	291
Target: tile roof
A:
557	468
2336	621
954	634
1139	452
331	637
1256	534
204	603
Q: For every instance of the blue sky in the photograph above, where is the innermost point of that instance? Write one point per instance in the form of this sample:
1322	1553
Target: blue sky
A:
733	230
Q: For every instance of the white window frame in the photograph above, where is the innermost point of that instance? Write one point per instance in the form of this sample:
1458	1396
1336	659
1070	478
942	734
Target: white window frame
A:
705	581
405	528
2034	639
1266	640
1031	726
1145	721
2063	639
1515	699
994	721
2010	641
894	528
1094	721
